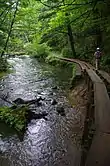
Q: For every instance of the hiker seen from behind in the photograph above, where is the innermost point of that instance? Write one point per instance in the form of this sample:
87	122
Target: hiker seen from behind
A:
97	55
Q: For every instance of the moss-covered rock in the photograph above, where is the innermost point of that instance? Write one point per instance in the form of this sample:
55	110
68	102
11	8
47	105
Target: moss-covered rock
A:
16	118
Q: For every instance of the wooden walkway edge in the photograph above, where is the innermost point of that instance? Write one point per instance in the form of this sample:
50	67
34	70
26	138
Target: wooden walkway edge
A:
99	153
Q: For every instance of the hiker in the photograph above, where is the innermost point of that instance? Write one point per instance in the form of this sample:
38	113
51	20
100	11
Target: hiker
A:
97	55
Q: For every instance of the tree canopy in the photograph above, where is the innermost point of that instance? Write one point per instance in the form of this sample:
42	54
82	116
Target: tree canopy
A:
71	27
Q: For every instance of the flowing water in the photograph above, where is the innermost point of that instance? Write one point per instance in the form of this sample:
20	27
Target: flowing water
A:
51	142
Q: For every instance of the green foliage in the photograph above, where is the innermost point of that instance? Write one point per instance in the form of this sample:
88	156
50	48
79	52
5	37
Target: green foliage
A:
7	8
53	59
105	63
66	52
15	44
40	51
66	26
3	65
2	41
15	118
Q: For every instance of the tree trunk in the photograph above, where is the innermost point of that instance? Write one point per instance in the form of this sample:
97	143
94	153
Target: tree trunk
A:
10	28
71	39
99	37
97	15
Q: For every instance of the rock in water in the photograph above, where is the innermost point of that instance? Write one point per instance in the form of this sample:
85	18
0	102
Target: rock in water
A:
60	110
33	115
40	98
55	87
53	102
51	93
19	101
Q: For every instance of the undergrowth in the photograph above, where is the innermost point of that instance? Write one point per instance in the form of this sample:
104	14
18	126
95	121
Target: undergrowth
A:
16	118
3	65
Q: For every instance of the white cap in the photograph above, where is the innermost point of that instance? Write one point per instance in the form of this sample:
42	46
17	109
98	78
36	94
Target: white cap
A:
98	48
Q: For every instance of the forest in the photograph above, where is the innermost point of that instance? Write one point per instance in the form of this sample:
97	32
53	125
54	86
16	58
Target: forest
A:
46	28
53	102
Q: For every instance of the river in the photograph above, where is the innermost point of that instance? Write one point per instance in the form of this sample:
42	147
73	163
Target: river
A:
51	142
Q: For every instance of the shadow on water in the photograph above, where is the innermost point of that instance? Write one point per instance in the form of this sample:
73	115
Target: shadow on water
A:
5	130
51	142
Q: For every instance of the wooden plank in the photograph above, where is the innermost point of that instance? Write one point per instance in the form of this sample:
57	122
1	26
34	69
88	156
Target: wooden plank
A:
102	108
105	75
93	76
88	65
82	65
99	154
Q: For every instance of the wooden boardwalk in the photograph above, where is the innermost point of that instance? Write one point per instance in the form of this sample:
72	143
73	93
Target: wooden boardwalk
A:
99	153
